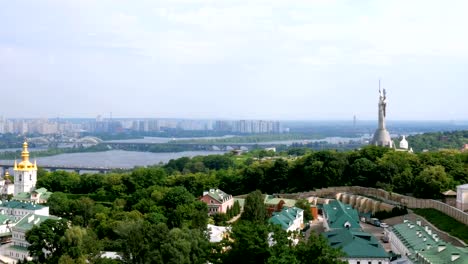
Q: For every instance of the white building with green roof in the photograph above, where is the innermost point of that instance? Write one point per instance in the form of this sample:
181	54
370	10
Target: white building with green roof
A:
338	215
359	247
422	246
344	231
40	196
18	209
6	223
289	218
18	249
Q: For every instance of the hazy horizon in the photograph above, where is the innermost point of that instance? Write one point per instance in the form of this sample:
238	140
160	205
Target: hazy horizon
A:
259	59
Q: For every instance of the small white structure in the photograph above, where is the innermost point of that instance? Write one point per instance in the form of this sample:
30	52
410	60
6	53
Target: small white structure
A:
6	185
271	149
404	143
462	197
217	233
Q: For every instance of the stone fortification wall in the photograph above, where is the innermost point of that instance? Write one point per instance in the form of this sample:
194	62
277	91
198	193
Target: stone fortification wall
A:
351	195
363	204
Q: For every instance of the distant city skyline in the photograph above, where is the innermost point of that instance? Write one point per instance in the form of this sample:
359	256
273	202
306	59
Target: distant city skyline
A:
257	59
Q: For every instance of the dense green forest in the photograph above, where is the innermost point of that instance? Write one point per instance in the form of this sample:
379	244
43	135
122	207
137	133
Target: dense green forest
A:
439	140
152	215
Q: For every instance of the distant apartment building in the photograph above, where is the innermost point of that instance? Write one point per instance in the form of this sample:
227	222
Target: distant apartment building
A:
221	125
105	126
102	125
249	126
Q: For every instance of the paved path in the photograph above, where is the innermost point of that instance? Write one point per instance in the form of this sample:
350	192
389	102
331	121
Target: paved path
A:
232	220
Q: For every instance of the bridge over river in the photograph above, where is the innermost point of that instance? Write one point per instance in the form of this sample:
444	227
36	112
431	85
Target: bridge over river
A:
78	169
196	146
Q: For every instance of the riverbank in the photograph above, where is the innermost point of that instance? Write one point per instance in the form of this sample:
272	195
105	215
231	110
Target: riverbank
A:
115	158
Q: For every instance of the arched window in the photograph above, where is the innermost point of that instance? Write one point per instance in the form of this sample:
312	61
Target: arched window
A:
20	177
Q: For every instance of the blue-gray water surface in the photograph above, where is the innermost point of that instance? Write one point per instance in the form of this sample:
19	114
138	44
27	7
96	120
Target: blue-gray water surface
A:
114	158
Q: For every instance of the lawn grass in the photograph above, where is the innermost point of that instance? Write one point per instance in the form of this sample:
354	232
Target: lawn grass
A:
444	222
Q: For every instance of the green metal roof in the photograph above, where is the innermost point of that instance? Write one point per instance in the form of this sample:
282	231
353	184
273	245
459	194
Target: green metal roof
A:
19	248
218	195
5	218
26	196
22	196
21	205
356	244
423	246
271	200
285	217
338	214
40	190
30	220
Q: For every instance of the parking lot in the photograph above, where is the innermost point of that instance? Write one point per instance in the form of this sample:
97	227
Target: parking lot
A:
377	232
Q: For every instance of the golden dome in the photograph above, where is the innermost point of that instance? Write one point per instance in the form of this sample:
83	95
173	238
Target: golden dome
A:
25	164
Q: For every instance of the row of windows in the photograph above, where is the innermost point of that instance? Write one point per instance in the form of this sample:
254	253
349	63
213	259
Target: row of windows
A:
18	236
369	262
18	255
30	177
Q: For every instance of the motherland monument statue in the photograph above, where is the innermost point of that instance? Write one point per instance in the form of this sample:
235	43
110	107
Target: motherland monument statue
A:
381	135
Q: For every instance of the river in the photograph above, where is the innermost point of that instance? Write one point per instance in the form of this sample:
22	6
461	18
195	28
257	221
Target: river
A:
115	158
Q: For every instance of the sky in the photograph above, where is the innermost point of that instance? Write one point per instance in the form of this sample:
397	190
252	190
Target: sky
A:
232	59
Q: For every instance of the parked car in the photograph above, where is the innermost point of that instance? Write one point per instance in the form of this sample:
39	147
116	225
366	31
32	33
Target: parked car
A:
373	221
383	225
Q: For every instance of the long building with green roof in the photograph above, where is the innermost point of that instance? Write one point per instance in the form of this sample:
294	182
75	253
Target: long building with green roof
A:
19	209
422	246
359	246
289	218
344	231
18	249
338	215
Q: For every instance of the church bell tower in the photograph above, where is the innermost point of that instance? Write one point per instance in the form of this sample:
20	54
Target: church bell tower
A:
25	173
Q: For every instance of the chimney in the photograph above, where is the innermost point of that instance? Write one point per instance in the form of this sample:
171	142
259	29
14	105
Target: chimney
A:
455	256
441	247
30	219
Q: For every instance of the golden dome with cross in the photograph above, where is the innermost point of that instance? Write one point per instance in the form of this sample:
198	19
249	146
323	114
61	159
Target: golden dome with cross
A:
25	164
